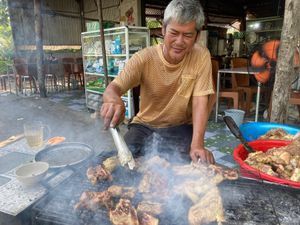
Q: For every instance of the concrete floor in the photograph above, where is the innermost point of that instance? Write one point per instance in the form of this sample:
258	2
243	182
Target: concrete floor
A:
75	125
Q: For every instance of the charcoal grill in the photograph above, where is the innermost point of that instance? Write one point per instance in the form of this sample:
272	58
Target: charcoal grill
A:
245	201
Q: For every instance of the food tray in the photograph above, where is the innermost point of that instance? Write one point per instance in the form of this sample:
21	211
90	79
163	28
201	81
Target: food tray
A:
65	154
240	154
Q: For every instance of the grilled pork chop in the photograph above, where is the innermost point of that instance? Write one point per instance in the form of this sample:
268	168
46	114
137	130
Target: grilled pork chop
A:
97	173
147	219
123	192
123	214
152	208
208	209
94	200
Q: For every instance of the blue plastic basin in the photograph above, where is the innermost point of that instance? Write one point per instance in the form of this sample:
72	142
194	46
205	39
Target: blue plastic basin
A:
253	130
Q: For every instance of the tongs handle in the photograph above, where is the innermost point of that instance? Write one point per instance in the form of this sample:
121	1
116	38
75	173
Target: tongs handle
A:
235	130
124	154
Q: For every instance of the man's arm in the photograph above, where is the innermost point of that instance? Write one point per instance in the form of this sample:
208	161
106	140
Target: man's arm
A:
200	117
113	108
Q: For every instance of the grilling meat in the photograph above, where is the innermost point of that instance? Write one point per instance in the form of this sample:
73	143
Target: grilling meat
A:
111	163
123	214
208	209
123	192
202	171
152	208
195	189
147	219
154	185
93	200
153	164
277	134
97	173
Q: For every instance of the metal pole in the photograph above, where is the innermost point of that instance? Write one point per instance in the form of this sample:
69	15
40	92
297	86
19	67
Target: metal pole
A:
257	101
102	39
217	97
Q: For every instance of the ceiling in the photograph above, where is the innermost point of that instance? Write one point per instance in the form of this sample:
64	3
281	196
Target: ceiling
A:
229	11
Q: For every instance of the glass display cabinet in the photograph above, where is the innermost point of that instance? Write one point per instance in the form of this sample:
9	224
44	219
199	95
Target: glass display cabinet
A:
120	44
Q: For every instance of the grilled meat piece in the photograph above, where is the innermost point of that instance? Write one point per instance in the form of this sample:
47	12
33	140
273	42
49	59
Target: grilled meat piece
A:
230	174
202	171
195	189
295	176
94	200
97	173
155	163
111	163
123	192
189	171
208	209
154	185
123	214
145	184
277	134
152	208
147	219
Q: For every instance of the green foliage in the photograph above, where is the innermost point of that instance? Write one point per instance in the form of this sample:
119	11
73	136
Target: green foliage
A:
6	42
153	24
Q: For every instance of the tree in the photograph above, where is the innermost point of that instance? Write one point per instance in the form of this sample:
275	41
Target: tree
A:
284	69
6	43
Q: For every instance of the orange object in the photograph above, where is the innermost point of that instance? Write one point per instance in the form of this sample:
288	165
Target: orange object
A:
257	60
55	140
270	49
263	76
263	58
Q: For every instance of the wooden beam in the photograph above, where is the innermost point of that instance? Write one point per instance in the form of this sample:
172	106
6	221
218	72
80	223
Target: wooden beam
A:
102	39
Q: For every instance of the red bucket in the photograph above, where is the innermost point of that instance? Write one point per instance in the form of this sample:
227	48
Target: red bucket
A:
240	154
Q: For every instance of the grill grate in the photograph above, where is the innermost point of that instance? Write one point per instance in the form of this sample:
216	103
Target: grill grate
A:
245	201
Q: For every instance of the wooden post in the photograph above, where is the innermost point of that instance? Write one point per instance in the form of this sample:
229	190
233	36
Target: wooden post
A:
284	68
102	39
81	10
39	47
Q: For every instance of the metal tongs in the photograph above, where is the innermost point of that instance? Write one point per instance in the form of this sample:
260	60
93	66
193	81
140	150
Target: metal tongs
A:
124	154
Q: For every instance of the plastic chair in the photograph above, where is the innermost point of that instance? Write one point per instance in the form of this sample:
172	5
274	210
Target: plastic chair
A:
50	78
242	83
78	70
223	93
24	80
68	64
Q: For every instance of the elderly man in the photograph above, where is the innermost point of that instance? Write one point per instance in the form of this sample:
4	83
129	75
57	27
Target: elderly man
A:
175	81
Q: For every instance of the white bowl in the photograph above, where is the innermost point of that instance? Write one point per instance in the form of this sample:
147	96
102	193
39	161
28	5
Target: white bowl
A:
31	173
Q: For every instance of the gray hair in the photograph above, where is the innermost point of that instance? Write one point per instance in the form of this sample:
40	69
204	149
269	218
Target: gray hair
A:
184	11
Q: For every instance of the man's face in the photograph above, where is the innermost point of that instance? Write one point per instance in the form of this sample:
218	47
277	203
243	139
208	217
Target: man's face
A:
179	39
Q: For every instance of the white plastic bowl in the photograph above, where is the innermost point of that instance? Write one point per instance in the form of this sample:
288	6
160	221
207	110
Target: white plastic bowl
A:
31	173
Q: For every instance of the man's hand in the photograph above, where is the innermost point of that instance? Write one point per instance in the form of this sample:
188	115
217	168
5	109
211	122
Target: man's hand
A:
113	108
203	154
112	114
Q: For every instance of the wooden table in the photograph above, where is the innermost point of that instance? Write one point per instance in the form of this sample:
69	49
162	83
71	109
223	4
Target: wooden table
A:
241	71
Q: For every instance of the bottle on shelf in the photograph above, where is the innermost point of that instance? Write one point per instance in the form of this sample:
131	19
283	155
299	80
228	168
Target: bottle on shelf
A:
117	48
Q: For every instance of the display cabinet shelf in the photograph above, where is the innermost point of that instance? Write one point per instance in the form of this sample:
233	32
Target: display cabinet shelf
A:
120	44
